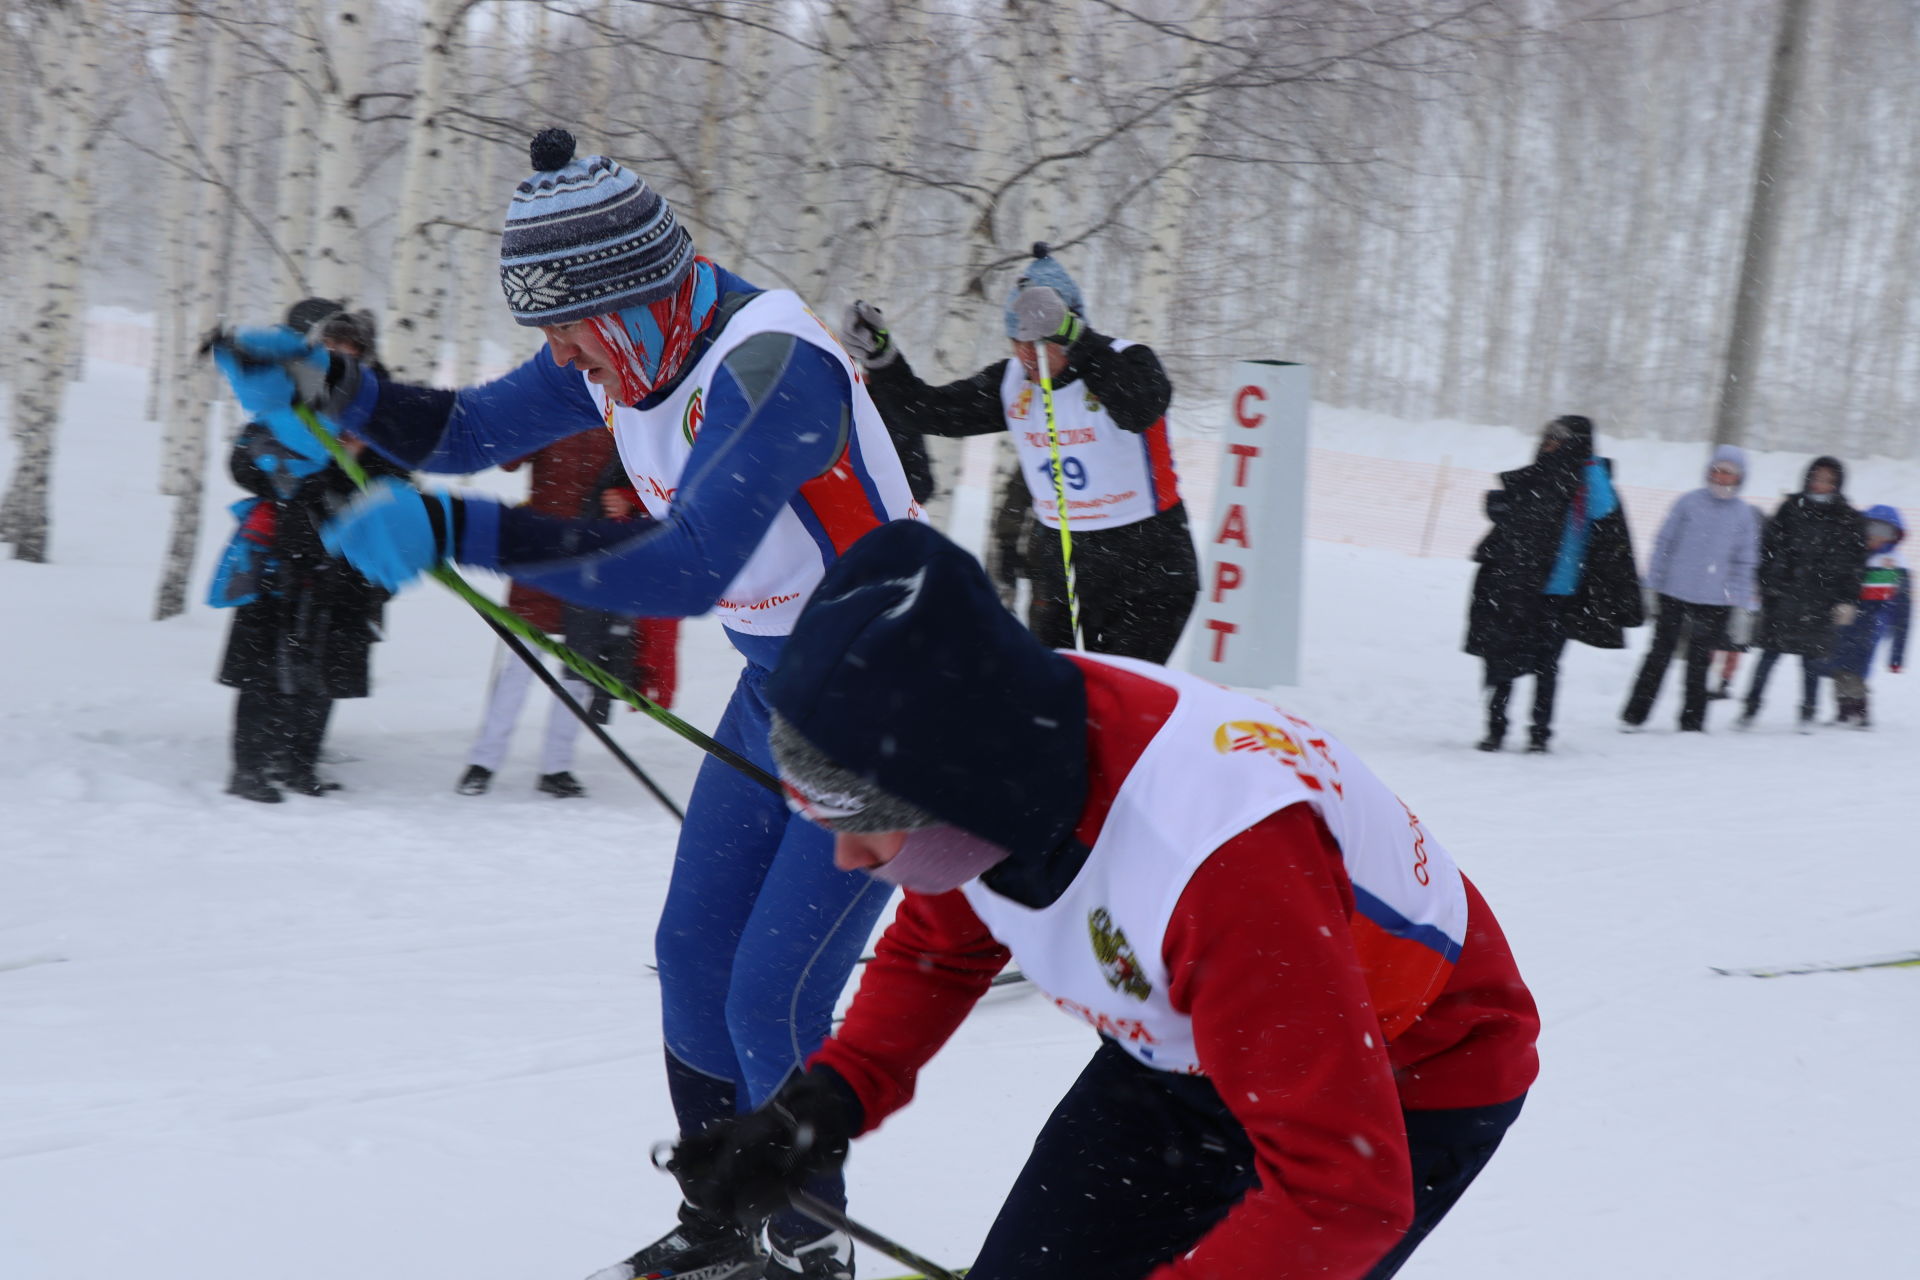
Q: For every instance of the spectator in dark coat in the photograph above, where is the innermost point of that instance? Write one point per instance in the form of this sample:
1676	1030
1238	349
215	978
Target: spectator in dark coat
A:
1556	566
1810	557
304	638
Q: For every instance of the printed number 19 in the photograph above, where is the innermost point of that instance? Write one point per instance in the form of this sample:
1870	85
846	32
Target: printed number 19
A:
1074	470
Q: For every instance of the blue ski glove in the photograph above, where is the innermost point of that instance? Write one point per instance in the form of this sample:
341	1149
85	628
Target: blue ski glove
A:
273	370
392	531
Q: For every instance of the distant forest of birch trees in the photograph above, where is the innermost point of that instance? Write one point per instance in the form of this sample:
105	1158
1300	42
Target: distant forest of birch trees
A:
1491	210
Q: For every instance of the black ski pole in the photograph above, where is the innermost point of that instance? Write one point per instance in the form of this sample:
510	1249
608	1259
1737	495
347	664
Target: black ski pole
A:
501	618
828	1216
585	717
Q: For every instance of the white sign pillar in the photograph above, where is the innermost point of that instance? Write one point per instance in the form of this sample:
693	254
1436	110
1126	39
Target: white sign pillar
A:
1247	624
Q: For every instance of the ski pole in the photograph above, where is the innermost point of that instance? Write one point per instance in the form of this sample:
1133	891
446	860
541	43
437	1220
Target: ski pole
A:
1042	365
585	717
828	1216
1041	357
506	621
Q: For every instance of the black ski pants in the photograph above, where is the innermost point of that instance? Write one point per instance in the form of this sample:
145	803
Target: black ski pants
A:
1137	585
1546	683
1706	630
279	734
1135	1165
1809	683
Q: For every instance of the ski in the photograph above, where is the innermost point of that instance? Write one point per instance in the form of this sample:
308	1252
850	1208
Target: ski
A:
1903	960
28	962
1005	978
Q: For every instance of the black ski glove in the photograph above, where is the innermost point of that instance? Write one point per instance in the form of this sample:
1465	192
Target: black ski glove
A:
745	1168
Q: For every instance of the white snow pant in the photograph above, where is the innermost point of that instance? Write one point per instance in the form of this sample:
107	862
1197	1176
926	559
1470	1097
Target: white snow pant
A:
511	678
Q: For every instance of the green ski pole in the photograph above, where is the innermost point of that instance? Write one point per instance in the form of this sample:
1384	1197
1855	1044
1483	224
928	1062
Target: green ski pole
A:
506	622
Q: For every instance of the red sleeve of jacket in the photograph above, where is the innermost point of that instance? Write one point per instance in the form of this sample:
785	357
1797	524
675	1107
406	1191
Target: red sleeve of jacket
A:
1474	1046
929	968
1260	956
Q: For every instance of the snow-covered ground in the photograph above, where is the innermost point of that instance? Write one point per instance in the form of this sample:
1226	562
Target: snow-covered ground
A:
398	1033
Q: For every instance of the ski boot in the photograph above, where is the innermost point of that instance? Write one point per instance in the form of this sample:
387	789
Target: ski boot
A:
828	1258
700	1248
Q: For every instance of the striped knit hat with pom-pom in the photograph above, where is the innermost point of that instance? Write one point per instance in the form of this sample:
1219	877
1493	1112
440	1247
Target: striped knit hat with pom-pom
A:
587	237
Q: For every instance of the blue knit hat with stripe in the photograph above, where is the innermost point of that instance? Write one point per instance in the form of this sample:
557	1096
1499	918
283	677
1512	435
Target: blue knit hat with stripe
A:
587	237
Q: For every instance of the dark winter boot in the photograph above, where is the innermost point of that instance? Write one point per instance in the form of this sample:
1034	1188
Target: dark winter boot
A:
1537	742
251	784
306	782
828	1258
1805	724
1860	720
475	781
562	786
1845	712
700	1248
1496	717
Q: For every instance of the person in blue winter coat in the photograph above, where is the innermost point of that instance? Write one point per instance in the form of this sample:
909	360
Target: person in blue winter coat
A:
1702	568
1884	609
759	458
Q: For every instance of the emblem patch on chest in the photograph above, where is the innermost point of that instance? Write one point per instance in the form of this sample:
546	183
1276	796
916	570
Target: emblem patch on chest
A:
695	415
1118	964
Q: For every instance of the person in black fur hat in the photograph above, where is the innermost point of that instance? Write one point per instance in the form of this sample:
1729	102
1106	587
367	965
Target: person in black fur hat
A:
1556	566
1810	557
1307	1051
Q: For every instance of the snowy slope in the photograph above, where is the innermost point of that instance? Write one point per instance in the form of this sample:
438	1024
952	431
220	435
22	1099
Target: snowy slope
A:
398	1033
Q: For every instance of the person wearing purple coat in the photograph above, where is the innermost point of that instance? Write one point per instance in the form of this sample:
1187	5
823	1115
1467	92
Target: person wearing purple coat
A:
1702	568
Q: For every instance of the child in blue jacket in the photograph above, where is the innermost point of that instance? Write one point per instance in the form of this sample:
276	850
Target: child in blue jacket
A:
1885	606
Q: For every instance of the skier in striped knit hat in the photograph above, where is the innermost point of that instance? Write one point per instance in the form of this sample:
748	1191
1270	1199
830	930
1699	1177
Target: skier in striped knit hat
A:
1312	1033
759	458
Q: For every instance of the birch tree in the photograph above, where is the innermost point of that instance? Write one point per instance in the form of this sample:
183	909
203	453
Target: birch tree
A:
1157	266
336	260
418	290
76	101
1758	260
821	182
207	95
296	191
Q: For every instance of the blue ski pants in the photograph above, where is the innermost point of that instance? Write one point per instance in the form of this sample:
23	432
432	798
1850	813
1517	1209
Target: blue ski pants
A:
758	935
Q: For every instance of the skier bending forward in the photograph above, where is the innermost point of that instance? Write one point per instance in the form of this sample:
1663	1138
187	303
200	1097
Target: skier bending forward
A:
759	458
1313	1035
